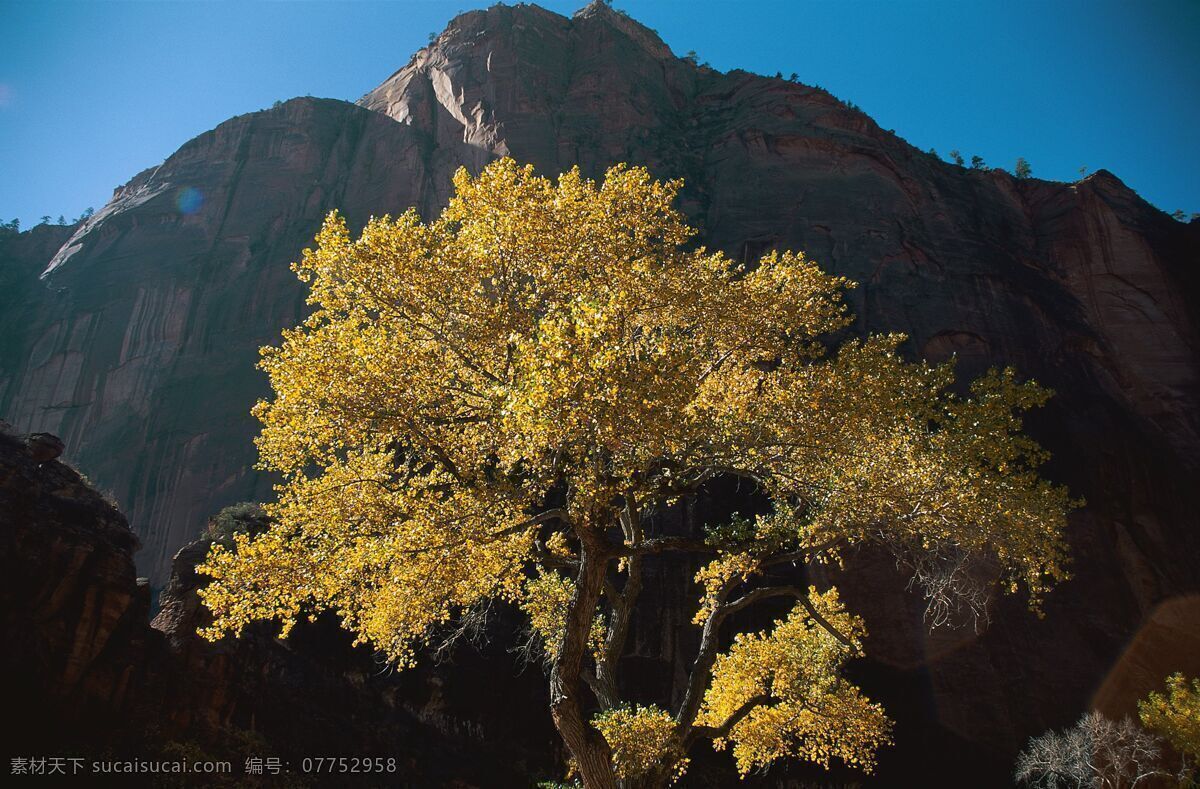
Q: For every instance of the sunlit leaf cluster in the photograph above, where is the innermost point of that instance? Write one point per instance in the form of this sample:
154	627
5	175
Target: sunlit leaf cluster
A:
546	599
813	712
641	739
1175	715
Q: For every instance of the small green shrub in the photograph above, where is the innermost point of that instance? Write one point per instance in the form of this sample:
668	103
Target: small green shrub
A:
245	517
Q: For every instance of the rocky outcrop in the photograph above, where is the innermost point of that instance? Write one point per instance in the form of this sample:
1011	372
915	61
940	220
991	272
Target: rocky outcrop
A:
85	674
137	342
72	612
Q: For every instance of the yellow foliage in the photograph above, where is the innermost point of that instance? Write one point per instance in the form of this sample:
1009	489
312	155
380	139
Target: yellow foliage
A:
813	713
642	740
1176	715
714	576
392	559
546	598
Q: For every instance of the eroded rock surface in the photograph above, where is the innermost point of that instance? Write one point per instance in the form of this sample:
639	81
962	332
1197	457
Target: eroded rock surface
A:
86	675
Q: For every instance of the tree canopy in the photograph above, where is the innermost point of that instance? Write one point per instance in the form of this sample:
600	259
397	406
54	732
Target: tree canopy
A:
1175	716
503	402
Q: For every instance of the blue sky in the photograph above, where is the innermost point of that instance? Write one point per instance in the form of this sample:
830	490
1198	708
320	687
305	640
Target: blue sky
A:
93	92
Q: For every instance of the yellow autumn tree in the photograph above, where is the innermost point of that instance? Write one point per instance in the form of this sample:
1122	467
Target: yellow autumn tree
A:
1175	716
502	403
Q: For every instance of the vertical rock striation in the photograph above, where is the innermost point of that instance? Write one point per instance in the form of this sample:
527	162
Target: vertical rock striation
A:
138	343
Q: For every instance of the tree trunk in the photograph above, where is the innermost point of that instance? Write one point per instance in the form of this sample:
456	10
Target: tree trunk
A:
591	752
655	779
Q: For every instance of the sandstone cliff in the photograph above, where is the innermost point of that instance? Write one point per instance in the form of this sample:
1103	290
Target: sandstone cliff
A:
137	342
85	675
72	612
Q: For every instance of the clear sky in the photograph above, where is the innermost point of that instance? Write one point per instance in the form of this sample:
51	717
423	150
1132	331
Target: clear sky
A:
93	92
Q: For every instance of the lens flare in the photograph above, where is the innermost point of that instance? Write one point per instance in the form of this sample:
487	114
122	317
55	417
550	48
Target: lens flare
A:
189	200
1167	641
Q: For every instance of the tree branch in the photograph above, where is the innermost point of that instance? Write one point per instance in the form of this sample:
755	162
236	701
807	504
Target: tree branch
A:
801	597
552	560
568	674
735	717
707	654
804	554
659	545
622	602
552	514
618	626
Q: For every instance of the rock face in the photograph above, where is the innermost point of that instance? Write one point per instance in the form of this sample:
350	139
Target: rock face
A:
84	674
72	613
139	342
135	338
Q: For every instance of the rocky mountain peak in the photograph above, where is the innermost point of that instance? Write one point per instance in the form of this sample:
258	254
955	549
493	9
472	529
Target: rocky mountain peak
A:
518	79
594	8
599	12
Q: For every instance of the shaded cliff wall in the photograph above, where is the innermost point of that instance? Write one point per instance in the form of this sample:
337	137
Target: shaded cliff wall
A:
139	345
84	674
72	614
